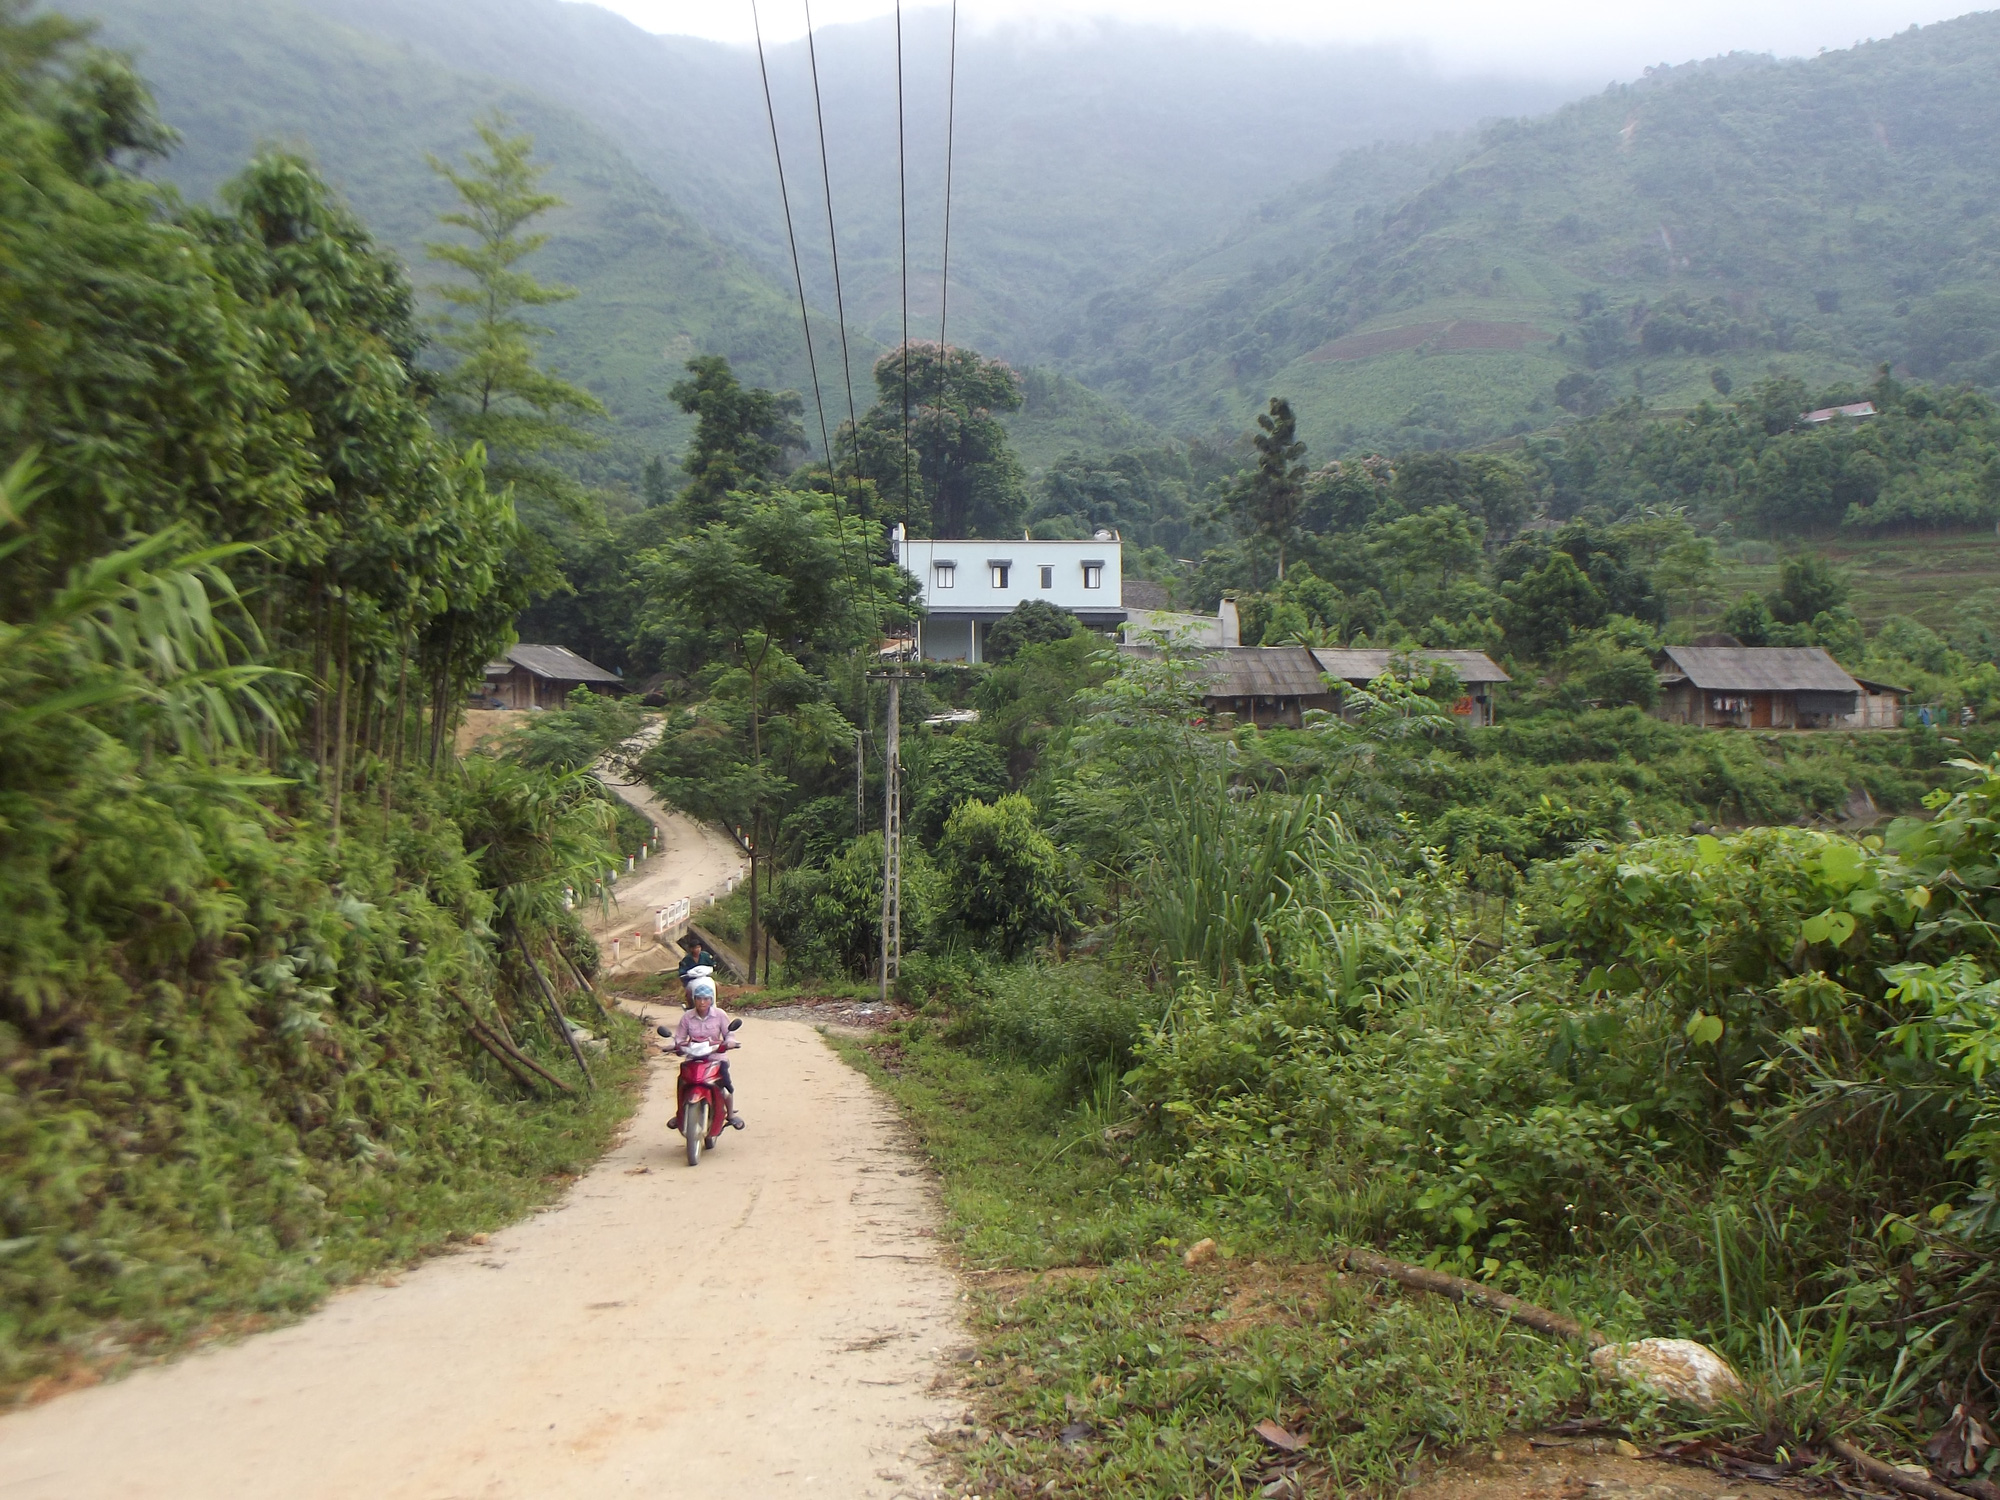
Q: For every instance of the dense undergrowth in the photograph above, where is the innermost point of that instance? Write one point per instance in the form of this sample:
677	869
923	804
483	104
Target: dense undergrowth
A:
276	968
1733	1087
236	1067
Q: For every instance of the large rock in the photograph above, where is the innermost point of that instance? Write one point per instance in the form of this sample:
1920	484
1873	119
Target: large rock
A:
1679	1369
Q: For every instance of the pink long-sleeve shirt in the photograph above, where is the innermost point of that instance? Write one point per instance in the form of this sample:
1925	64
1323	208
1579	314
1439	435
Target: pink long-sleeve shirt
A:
714	1027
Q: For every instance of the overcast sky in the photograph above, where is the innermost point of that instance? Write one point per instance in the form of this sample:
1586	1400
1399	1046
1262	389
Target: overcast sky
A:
1588	38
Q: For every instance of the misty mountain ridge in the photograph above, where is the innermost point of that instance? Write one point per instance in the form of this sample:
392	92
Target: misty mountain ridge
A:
1706	225
1078	163
1181	225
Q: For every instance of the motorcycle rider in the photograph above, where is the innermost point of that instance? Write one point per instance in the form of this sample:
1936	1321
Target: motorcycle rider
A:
696	956
704	1021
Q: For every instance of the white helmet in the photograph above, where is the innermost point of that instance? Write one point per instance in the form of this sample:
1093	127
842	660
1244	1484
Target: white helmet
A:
698	988
699	971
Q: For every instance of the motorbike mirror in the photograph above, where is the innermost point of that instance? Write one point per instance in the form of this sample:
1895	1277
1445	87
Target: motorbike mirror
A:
664	1030
733	1025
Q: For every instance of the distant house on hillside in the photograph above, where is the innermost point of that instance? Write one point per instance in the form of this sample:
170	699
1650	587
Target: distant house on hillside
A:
1478	673
1854	409
969	585
1274	686
543	676
1770	687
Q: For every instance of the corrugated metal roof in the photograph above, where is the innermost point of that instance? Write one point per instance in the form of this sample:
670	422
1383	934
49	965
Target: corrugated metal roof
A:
1366	666
556	662
1761	669
1262	672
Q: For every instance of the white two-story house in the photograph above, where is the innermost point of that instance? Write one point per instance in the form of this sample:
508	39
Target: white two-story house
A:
968	585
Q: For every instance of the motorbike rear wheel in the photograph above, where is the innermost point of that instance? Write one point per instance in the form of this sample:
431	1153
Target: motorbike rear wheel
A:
694	1125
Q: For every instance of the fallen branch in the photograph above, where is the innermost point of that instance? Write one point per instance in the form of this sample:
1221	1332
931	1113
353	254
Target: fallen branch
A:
1556	1325
506	1051
521	1075
1895	1478
1460	1290
555	1010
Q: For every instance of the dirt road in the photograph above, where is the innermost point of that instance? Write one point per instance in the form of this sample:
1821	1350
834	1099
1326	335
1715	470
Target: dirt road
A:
695	861
554	1360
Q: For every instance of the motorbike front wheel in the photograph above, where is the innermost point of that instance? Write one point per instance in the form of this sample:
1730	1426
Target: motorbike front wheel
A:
694	1125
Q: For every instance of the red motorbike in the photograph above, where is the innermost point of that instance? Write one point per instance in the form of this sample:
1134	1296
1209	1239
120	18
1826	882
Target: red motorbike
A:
701	1106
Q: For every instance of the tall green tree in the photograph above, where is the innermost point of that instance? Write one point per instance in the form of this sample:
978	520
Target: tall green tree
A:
778	584
496	392
1268	496
951	472
742	434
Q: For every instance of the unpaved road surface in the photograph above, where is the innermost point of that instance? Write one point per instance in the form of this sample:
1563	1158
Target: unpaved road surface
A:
768	1324
695	861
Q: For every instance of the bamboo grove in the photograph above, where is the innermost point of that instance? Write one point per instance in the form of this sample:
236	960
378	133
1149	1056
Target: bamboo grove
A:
282	977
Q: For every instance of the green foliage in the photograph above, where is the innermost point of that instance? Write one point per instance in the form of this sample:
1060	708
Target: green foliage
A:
1268	495
1001	881
934	446
251	951
947	770
741	434
496	393
576	737
1032	622
829	916
1545	606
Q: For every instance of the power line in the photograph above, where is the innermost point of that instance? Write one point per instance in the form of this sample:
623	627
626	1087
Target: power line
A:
865	574
903	235
944	278
792	239
833	245
846	361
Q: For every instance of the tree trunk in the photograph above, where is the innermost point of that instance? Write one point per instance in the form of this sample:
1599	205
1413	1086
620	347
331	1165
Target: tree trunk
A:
319	663
395	737
440	688
756	843
339	777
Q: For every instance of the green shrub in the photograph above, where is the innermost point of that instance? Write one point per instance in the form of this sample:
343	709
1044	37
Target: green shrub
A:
1002	881
830	917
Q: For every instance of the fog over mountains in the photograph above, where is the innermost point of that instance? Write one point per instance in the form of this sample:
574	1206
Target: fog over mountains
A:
1184	222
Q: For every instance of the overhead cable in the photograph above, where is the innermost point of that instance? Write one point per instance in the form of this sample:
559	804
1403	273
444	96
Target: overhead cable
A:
865	575
944	278
833	246
903	255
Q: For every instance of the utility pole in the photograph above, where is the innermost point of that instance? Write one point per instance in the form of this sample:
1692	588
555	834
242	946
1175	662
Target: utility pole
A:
860	784
892	831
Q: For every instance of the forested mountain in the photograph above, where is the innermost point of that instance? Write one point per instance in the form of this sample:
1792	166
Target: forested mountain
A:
1080	159
1084	154
654	285
1813	217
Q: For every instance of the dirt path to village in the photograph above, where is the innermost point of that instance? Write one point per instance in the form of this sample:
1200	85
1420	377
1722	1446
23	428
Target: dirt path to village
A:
695	861
771	1323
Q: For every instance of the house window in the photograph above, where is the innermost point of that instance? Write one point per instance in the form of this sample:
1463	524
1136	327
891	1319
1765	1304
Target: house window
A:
1000	572
1048	576
1093	575
947	575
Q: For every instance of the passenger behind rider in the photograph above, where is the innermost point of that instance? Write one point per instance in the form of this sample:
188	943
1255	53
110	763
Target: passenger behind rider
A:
696	956
703	1021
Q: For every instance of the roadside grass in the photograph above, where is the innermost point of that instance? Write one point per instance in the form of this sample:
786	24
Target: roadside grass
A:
1108	1366
192	1286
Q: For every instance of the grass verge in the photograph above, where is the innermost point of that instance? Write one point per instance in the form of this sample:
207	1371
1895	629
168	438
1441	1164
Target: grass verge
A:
1107	1365
226	1281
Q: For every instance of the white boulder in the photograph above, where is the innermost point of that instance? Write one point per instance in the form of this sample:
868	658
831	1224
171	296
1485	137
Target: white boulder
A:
1678	1369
